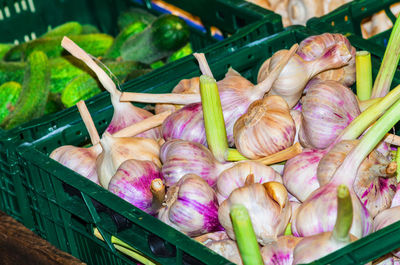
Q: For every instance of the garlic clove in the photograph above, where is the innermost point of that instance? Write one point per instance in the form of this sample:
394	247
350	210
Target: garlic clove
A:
228	249
268	218
277	192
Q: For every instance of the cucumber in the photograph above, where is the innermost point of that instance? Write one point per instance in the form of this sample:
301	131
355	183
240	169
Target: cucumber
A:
66	29
135	15
159	40
89	29
35	90
63	69
12	71
94	44
53	103
9	94
127	32
182	52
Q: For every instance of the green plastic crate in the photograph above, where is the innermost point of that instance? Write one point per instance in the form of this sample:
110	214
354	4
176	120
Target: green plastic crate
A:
66	219
347	19
26	19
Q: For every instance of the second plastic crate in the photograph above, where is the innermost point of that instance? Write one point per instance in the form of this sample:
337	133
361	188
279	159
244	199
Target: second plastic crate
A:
348	19
63	203
24	20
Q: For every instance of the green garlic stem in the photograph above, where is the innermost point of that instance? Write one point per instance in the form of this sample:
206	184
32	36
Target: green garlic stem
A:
213	117
365	104
232	154
288	230
389	63
362	121
344	217
348	169
363	75
245	236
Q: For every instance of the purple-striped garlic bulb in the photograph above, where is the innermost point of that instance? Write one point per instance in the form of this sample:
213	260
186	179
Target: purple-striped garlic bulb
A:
325	243
191	207
185	86
300	173
375	183
268	207
181	157
280	252
133	183
79	159
265	129
313	47
116	150
237	176
328	107
236	93
297	72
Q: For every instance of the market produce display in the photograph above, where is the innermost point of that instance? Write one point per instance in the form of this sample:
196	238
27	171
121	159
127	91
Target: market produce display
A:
143	43
206	163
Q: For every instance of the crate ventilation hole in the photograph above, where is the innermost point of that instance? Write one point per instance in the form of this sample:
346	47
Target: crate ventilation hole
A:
18	6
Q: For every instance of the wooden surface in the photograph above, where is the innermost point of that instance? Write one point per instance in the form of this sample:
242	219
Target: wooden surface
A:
19	245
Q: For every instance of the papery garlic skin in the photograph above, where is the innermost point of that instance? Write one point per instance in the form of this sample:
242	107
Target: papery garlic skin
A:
235	177
125	114
132	182
313	47
185	86
269	220
116	150
183	157
374	189
300	173
80	160
328	108
191	207
317	246
295	75
317	214
280	252
265	129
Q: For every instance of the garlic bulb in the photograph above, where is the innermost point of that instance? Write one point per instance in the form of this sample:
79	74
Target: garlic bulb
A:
183	157
116	150
266	128
236	176
185	86
79	159
325	243
191	207
268	208
132	182
220	243
375	184
297	118
313	47
327	109
280	252
300	173
297	72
